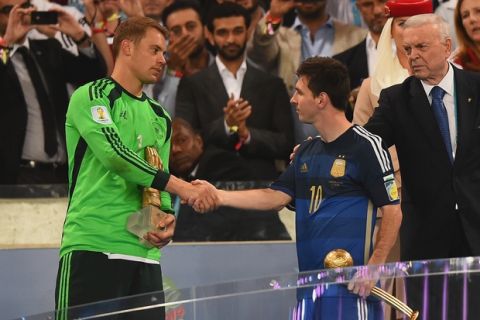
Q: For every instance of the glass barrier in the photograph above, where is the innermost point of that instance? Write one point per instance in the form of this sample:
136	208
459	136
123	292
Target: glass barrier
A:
434	289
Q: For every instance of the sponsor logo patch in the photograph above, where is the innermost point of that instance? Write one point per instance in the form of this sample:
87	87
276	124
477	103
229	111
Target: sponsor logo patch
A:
100	115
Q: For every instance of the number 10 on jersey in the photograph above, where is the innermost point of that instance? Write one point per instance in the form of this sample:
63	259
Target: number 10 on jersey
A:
315	198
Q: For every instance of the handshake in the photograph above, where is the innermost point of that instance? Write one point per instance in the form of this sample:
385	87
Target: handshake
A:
155	227
202	196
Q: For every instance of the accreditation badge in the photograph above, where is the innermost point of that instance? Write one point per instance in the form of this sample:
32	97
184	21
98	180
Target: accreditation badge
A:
338	168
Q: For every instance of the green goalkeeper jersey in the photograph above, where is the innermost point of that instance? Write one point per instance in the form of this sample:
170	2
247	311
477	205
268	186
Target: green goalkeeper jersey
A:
107	131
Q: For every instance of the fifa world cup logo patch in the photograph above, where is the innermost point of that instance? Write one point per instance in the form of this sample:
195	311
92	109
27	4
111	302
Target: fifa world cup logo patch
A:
101	115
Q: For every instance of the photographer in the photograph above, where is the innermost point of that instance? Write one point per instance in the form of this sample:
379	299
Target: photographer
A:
33	77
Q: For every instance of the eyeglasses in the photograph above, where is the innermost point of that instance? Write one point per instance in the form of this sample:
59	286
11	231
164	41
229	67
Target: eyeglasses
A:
7	8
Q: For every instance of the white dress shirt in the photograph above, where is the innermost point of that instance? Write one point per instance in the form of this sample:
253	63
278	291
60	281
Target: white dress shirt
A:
232	82
371	48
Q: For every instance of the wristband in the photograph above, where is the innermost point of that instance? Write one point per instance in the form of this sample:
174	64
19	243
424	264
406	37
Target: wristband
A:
82	39
4	51
233	129
98	30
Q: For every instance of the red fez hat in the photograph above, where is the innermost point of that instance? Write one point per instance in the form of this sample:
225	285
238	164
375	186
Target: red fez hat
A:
408	8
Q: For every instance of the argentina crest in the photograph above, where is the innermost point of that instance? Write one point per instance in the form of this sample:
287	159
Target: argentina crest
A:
338	168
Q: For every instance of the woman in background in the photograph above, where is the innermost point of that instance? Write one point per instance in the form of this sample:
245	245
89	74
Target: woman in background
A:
467	27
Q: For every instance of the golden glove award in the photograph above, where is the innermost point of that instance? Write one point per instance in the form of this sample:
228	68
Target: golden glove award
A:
147	219
340	258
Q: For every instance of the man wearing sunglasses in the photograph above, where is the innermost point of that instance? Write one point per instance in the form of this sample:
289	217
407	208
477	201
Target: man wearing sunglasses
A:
33	77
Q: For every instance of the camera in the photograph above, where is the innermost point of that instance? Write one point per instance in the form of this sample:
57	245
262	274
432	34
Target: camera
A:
44	17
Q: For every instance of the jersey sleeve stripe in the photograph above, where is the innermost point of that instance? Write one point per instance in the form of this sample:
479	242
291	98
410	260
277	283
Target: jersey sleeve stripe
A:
376	144
93	88
129	152
62	36
113	96
98	88
77	162
96	93
125	157
90	90
368	231
103	86
70	41
378	139
134	160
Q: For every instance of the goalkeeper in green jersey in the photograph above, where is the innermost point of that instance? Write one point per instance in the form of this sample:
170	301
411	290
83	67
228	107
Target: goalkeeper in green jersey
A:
110	123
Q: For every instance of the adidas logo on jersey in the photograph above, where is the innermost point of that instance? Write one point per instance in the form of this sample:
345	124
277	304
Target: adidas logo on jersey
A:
304	168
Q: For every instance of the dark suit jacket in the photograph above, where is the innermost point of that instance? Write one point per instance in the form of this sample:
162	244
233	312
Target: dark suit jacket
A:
201	99
356	61
58	67
431	185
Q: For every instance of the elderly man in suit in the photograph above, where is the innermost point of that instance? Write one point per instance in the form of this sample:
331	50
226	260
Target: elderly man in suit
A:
235	106
33	78
433	119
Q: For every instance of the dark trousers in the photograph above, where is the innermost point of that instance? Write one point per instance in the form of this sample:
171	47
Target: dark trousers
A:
85	277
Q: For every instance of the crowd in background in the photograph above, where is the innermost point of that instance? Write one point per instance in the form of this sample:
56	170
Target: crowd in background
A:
233	119
251	144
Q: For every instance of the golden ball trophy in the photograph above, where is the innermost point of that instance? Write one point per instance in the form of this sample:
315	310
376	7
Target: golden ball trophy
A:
340	258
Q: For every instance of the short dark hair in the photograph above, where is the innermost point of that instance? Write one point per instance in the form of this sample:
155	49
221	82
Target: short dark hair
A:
327	75
184	123
182	5
227	10
134	29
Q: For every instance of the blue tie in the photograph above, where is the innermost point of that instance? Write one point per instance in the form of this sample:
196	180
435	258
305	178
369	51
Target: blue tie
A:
440	113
